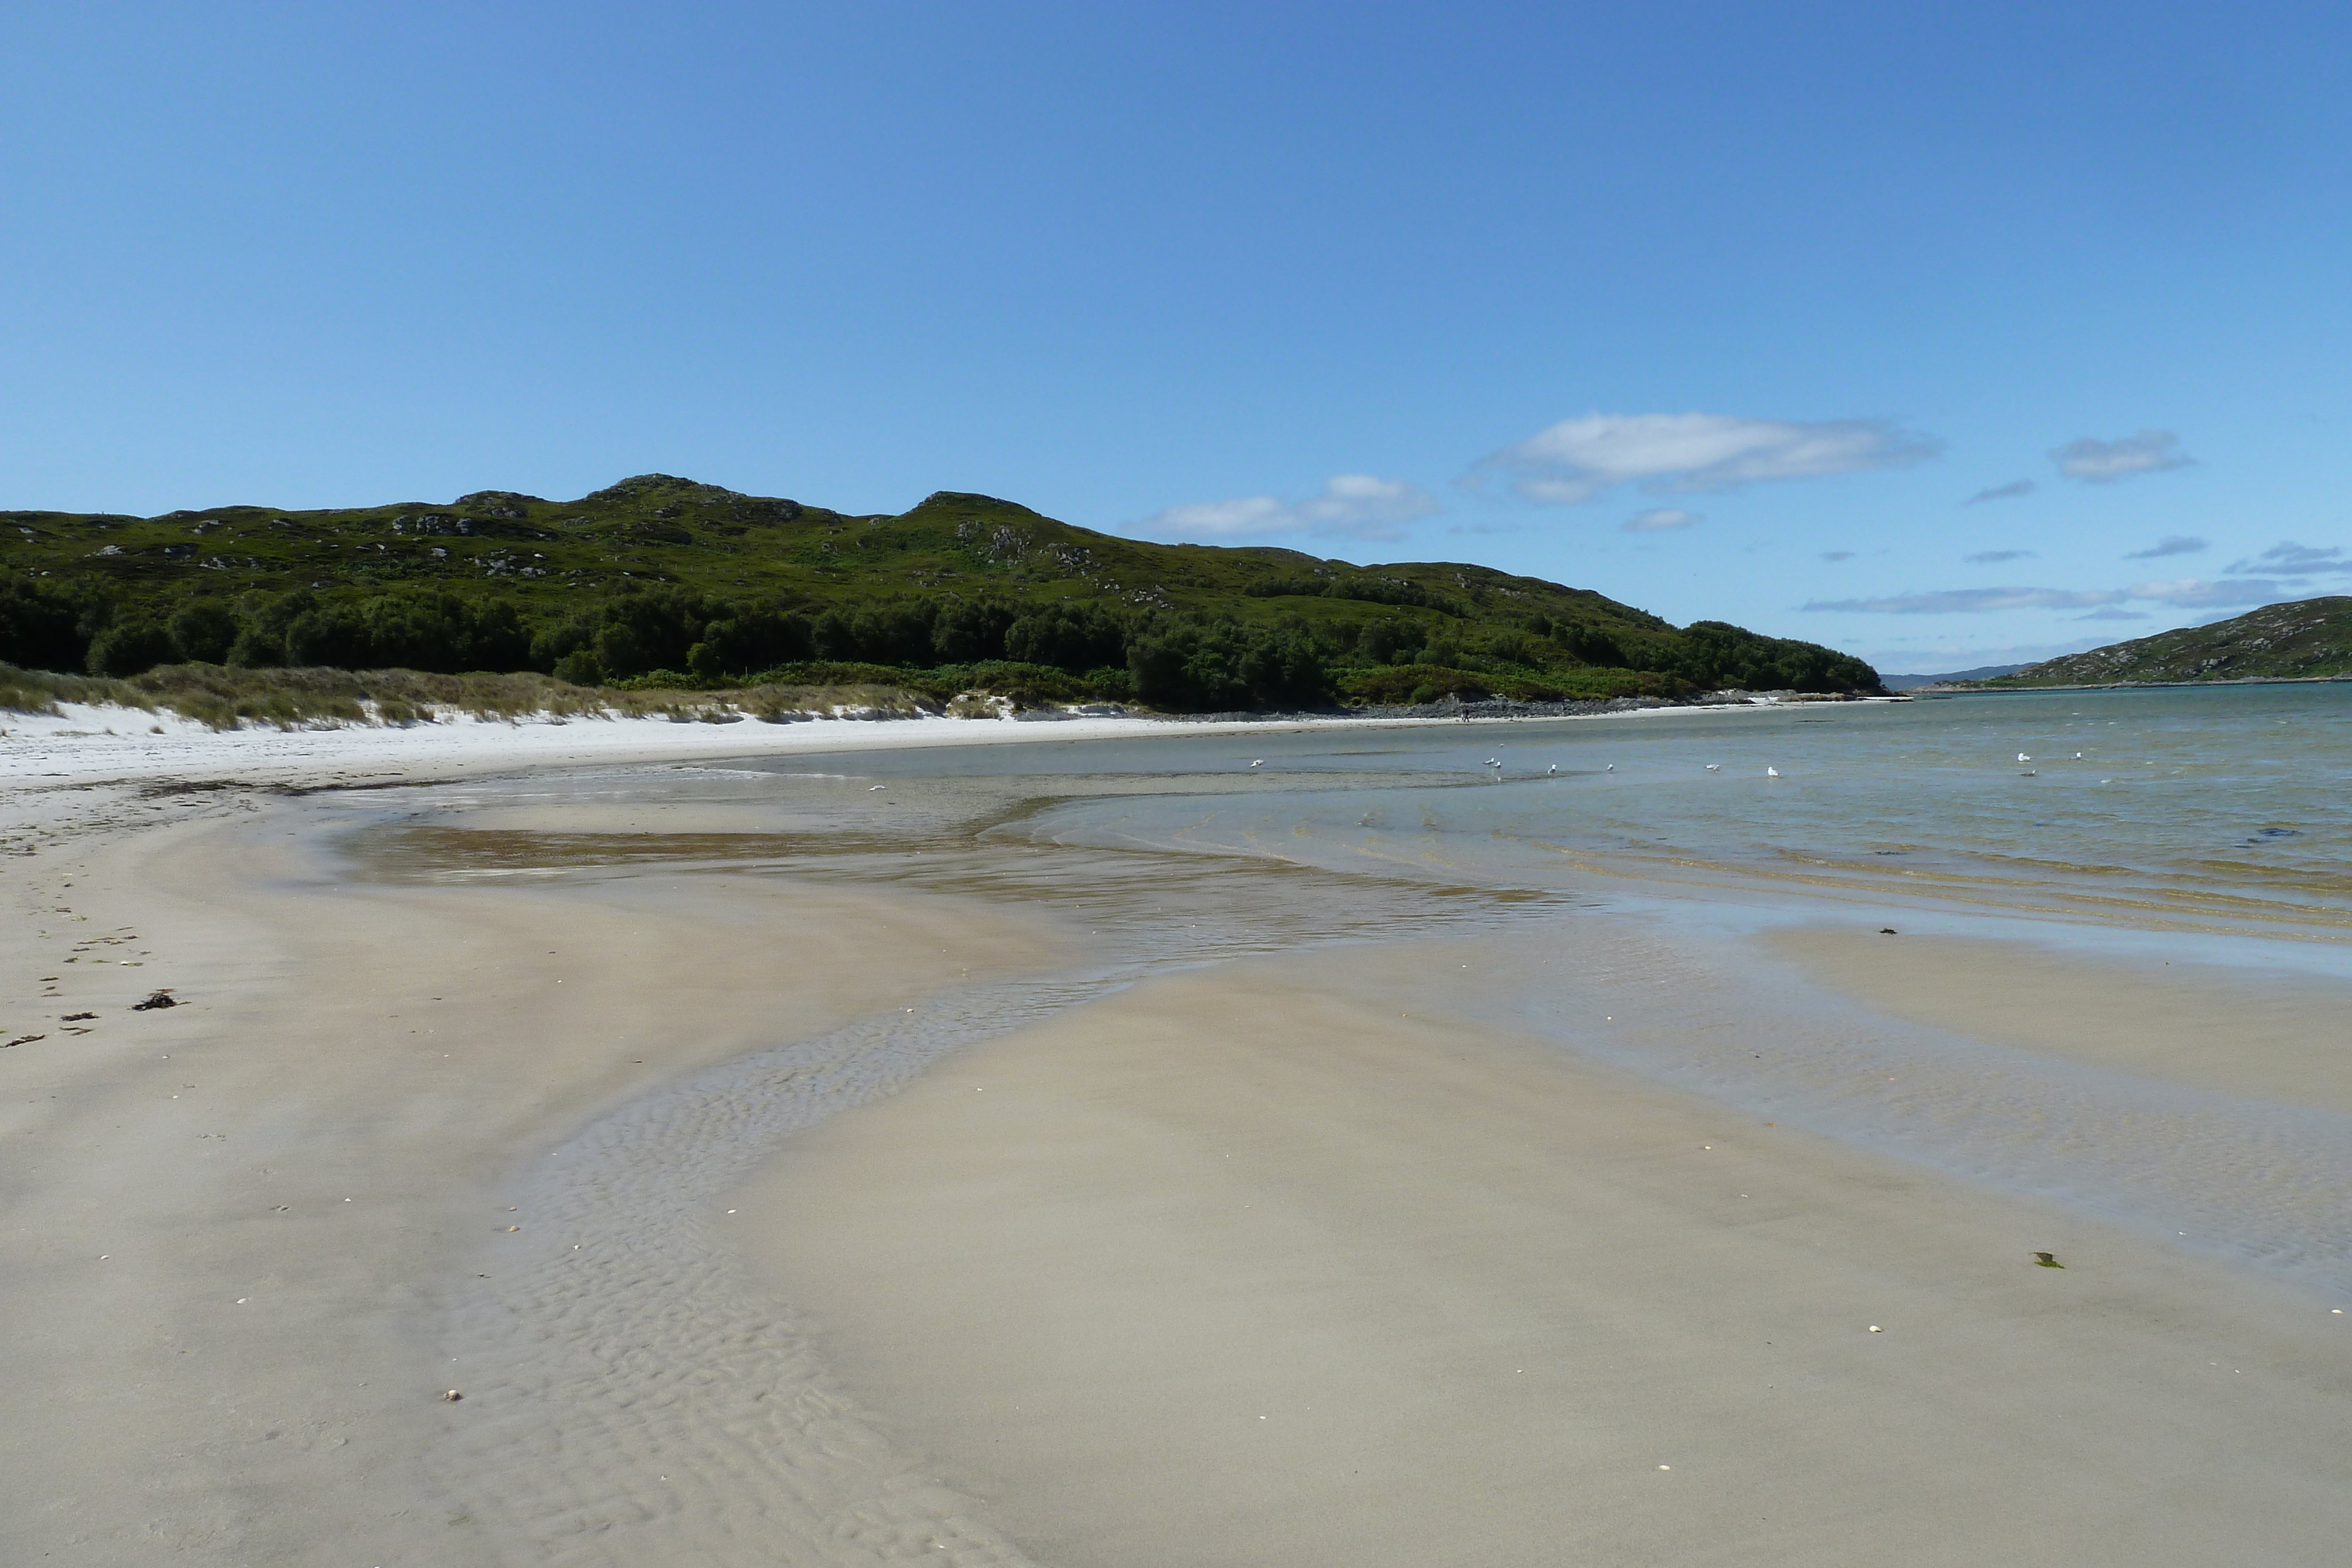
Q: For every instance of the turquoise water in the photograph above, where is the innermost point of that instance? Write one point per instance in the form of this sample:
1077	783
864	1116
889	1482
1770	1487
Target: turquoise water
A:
2211	809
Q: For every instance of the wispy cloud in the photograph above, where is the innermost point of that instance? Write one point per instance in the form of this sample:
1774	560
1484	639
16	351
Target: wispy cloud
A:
2095	462
2008	492
1659	518
2170	544
2109	613
1352	505
1837	555
2187	593
1994	557
2201	593
1681	453
2291	559
1971	600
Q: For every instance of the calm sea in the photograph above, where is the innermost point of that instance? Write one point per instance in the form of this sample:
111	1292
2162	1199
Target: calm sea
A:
2213	809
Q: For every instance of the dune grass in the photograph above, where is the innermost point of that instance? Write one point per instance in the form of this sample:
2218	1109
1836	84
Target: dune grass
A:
230	699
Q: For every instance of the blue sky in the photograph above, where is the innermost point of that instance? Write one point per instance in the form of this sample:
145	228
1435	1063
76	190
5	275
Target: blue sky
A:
1944	334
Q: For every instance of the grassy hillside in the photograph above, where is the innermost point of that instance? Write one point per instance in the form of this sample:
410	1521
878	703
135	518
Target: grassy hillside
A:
662	574
2310	637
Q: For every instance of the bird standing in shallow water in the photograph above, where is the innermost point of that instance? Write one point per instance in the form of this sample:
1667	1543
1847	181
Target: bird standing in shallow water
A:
1771	773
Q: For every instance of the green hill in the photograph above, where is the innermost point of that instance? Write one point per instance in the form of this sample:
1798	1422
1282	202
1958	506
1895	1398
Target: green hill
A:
662	574
2311	637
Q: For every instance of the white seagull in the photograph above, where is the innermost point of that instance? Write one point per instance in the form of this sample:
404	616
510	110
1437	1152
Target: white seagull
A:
2022	757
1552	771
1771	773
1715	768
1258	762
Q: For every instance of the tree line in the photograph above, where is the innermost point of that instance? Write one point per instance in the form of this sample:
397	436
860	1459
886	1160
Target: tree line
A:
1171	659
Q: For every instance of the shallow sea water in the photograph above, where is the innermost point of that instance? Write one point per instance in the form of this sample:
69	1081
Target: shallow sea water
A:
1611	878
1618	866
2211	809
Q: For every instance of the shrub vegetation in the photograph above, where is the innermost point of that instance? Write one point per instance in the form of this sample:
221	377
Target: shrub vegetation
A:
694	587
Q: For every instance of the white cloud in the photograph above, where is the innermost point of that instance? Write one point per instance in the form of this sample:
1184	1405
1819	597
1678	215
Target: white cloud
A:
1995	557
1659	518
2170	544
1679	454
2110	612
1245	515
1364	507
2104	462
2009	491
1352	506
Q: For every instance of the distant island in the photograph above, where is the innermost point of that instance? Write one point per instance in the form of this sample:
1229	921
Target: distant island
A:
1952	677
664	579
2310	639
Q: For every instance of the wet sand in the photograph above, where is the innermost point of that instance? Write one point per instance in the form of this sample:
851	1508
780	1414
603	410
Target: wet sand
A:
2278	1037
1253	1268
234	1227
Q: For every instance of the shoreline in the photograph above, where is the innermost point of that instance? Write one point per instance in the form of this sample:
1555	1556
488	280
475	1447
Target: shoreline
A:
129	744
